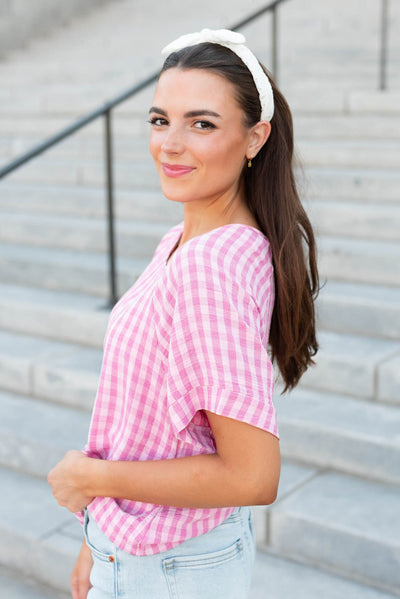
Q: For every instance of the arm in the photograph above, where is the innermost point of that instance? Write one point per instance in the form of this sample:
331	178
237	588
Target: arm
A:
244	471
80	583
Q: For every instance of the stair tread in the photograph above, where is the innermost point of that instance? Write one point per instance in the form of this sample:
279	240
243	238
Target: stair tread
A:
335	517
336	431
41	523
349	132
23	447
61	372
96	261
336	423
15	586
284	578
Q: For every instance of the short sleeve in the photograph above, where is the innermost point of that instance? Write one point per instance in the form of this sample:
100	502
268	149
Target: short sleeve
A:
217	358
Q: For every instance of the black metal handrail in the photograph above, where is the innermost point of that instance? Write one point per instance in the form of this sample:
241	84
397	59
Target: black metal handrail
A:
105	111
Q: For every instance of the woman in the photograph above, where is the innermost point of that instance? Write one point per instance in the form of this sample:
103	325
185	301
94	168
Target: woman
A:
183	433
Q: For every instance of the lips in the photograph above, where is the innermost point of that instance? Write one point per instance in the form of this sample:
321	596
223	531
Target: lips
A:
176	170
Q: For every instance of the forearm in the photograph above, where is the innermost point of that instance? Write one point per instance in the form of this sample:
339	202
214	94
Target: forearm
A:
203	481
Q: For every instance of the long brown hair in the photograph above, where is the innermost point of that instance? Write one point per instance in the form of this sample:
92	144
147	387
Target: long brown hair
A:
272	197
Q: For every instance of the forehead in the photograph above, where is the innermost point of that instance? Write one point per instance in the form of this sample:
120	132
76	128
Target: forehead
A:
189	87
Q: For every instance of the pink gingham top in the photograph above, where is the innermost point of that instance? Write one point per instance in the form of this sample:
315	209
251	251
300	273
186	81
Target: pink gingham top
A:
190	335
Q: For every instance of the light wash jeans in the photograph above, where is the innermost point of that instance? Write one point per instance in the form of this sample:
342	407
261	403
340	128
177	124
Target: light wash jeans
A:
216	565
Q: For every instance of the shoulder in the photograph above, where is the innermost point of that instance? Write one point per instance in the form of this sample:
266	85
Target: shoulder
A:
229	256
230	250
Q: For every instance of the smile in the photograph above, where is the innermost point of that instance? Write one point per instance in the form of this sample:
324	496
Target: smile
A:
176	170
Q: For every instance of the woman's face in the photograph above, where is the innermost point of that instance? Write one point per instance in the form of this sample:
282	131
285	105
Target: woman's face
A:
198	140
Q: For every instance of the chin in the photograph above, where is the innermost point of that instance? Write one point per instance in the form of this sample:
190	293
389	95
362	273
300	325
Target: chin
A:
174	195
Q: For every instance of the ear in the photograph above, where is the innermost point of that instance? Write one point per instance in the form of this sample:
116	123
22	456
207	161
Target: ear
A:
258	135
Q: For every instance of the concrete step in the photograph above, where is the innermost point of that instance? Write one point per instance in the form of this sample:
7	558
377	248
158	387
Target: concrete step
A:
350	153
86	201
389	380
91	172
335	431
64	270
35	435
342	523
365	432
39	538
16	586
134	239
348	219
360	261
360	309
82	319
25	131
354	366
344	127
44	540
63	373
65	317
363	367
350	184
276	578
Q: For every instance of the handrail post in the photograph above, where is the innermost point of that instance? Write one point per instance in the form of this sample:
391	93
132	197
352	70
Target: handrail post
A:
274	43
113	295
383	48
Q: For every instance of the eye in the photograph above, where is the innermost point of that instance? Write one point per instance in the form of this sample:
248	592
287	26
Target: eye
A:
158	121
204	125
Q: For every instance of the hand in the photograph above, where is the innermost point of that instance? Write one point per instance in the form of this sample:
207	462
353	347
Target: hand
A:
80	583
68	481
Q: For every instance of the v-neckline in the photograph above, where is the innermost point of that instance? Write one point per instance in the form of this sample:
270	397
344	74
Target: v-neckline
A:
176	245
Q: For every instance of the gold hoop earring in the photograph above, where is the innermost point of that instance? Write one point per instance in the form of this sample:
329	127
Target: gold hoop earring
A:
249	163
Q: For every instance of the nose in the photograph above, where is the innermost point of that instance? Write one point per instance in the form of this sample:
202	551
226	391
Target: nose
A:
173	142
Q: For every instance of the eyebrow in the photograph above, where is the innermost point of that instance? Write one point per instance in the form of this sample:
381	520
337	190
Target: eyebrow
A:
187	115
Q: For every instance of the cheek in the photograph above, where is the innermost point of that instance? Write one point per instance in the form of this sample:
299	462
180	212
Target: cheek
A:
154	145
228	158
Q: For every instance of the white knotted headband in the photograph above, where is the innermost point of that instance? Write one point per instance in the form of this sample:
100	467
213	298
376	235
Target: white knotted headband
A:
235	42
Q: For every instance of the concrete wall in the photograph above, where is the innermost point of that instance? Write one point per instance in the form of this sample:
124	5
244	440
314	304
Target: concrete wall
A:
23	20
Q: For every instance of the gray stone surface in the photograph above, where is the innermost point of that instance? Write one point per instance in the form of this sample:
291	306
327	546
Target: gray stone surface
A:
18	354
135	240
389	380
21	22
360	260
348	363
348	136
292	476
86	201
332	431
348	219
56	371
13	586
347	524
360	309
70	379
64	317
344	126
35	436
29	513
349	153
362	185
276	578
65	270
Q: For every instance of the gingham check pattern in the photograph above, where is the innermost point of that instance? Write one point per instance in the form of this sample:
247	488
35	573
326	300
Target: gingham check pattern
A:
190	335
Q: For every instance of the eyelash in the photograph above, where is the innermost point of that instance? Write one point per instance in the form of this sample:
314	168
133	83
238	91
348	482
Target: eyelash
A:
153	121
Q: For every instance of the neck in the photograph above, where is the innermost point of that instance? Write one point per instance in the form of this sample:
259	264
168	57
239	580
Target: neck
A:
202	217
